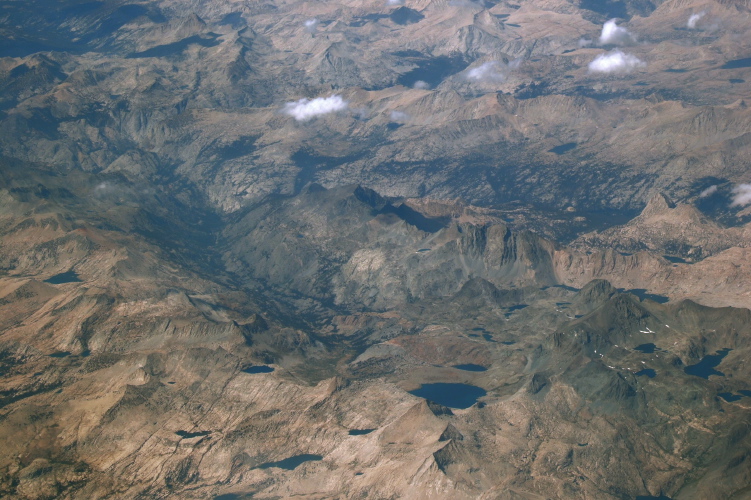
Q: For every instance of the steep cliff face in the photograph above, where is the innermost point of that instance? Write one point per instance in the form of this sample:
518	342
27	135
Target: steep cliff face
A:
680	231
353	249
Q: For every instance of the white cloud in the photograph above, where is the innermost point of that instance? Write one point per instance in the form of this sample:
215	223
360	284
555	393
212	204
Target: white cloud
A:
485	71
612	33
584	42
615	62
419	84
742	195
394	2
691	24
708	192
103	188
492	71
311	25
306	109
398	116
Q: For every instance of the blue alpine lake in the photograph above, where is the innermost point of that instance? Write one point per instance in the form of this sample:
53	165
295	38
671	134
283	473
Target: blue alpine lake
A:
258	369
705	367
470	367
459	396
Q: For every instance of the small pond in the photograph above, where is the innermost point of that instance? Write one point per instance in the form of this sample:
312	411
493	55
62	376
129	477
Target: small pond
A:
646	348
737	63
360	432
258	369
66	277
470	367
729	396
190	435
59	354
291	463
563	148
643	294
676	260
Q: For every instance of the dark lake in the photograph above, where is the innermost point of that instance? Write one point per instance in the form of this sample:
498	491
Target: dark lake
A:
471	367
452	395
291	463
189	435
563	148
729	396
648	372
705	367
258	369
737	63
66	277
646	348
360	432
643	294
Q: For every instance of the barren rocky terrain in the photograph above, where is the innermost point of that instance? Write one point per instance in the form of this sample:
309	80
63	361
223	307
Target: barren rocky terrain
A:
377	249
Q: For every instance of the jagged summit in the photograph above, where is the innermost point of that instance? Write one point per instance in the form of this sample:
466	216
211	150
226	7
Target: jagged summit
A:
673	229
659	203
